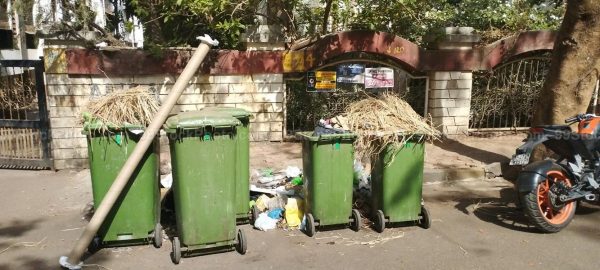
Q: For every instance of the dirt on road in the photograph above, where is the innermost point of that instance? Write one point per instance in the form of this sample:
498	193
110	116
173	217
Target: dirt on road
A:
475	226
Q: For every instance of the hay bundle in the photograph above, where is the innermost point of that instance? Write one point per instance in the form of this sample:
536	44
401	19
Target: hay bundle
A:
385	120
135	106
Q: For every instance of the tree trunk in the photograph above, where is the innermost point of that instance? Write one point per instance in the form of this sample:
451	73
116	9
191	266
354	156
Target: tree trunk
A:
153	30
326	16
575	66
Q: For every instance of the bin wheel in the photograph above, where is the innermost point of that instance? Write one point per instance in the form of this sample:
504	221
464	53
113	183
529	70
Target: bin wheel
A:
357	223
255	212
241	245
379	221
425	221
310	225
157	236
95	245
176	255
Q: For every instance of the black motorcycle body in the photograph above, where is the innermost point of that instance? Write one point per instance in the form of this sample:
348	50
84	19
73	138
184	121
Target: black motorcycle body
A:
549	189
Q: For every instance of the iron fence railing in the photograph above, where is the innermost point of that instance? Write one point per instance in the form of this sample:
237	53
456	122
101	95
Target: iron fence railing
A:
24	123
504	98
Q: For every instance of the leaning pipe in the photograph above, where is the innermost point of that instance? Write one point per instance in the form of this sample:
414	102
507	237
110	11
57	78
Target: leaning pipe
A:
73	261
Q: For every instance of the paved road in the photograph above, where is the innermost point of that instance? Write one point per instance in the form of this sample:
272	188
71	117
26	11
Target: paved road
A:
474	227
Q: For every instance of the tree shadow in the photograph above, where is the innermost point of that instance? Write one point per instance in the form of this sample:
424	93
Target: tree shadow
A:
503	211
471	152
18	227
31	263
587	209
588	228
34	263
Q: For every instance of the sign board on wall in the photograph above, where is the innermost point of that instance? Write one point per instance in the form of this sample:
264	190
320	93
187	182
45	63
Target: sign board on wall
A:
379	77
321	81
351	73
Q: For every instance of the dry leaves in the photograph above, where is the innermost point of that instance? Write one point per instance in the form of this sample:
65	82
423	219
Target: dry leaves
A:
136	106
379	122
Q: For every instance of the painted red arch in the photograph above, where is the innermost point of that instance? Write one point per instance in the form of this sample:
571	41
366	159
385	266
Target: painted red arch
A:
413	58
329	47
302	58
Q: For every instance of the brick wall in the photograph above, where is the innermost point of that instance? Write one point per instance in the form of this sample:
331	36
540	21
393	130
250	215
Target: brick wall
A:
450	101
261	94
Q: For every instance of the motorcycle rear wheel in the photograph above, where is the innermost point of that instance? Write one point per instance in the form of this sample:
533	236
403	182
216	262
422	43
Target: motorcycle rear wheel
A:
538	207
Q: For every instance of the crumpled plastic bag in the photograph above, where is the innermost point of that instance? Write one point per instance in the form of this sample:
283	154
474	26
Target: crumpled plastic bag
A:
264	222
303	223
262	202
275	213
276	202
292	171
294	212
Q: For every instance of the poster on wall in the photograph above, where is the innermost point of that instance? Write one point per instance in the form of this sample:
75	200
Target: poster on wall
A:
350	73
379	77
321	81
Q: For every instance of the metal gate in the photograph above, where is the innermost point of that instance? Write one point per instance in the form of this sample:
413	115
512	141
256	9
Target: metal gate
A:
304	109
504	98
24	124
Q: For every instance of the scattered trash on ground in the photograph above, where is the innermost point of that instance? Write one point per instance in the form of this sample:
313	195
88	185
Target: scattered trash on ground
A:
278	196
292	172
265	223
294	212
276	213
167	181
286	182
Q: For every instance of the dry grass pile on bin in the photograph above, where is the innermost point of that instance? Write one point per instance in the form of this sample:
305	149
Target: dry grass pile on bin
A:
136	106
385	120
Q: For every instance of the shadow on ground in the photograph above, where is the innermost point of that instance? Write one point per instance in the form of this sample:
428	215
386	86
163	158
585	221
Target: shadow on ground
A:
34	263
471	152
16	228
502	211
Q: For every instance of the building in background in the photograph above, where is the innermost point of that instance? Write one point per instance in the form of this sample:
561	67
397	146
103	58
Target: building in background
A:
26	25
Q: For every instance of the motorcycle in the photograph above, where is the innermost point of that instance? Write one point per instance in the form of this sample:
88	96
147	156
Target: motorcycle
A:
550	189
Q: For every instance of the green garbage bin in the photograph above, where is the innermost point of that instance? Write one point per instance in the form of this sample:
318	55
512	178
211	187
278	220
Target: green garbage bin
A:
242	171
135	218
396	185
327	162
203	148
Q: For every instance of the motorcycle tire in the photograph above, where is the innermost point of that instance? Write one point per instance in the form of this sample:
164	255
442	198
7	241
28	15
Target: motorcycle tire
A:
538	208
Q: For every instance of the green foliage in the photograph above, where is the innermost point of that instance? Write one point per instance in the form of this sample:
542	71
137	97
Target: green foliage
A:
413	19
182	20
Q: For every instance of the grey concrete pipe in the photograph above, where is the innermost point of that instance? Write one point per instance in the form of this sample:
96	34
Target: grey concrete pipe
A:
73	261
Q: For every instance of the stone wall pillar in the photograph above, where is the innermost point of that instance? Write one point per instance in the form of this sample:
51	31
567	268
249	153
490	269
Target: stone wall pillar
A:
449	99
268	37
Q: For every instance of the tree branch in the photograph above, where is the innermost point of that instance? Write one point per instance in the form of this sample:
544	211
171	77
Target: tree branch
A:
326	16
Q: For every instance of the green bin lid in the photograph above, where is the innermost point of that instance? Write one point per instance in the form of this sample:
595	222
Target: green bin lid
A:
308	135
235	112
198	119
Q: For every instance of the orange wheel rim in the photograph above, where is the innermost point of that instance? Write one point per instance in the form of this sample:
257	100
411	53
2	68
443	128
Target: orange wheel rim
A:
544	205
